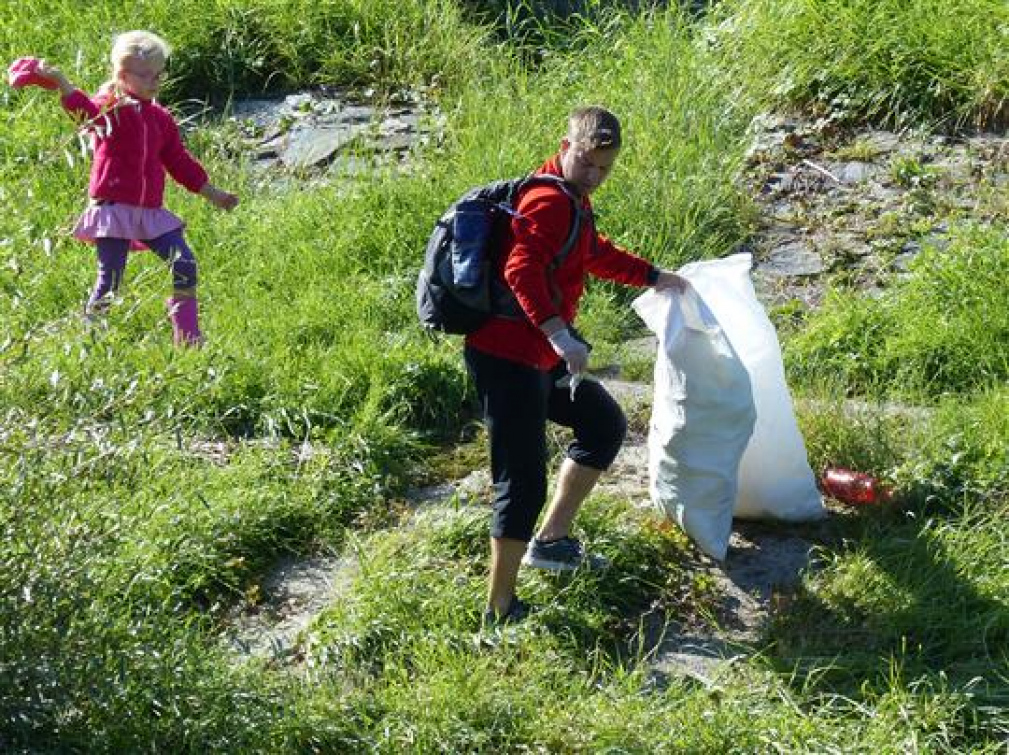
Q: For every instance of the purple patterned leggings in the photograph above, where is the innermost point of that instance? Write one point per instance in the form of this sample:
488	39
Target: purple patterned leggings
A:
112	254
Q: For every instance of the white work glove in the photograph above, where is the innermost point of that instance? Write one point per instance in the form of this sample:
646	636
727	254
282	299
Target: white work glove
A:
573	351
571	382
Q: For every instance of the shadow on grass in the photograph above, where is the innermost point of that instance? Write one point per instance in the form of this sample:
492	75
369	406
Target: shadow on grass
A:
900	611
556	23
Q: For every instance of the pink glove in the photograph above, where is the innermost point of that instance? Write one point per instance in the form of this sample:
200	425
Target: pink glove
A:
23	72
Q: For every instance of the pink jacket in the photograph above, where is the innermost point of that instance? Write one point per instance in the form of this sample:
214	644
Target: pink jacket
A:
135	142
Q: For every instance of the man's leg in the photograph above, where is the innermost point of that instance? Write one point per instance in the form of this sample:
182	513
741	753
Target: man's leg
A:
513	403
599	427
574	484
505	560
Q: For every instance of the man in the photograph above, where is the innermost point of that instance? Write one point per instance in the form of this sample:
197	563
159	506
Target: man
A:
528	370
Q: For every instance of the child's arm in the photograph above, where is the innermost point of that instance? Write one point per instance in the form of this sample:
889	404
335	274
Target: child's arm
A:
52	72
221	199
187	171
74	101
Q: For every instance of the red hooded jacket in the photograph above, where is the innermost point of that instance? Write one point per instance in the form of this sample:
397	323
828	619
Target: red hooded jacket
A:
537	234
135	142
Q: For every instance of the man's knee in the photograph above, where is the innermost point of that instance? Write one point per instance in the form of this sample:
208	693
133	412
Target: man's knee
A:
598	444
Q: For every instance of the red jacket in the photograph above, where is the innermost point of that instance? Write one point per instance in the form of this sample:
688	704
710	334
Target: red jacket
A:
135	142
536	236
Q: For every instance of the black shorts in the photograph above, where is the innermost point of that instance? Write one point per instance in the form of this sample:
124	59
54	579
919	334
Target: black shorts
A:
516	401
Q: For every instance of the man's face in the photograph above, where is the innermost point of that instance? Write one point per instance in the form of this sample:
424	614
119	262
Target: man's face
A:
586	169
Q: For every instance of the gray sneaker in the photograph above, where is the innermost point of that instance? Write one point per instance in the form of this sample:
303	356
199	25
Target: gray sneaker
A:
563	554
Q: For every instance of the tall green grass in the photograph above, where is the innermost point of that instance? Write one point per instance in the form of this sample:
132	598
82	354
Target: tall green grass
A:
938	332
225	47
892	61
671	196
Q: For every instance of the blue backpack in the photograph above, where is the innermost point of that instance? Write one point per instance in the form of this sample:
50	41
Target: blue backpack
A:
457	289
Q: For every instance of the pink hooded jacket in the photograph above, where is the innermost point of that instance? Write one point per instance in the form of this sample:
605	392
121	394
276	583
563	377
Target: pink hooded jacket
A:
135	142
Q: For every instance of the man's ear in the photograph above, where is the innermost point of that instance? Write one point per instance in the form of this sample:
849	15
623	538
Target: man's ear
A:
565	144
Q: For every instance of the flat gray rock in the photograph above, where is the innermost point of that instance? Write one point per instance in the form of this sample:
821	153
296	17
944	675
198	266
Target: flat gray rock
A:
792	259
312	146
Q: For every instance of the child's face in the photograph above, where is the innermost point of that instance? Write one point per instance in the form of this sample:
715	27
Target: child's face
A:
586	169
141	78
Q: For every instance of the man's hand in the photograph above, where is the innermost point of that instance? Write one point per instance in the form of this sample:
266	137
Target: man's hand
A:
670	281
573	351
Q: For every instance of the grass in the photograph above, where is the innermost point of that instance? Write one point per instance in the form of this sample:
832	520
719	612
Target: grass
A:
230	46
145	492
892	62
930	335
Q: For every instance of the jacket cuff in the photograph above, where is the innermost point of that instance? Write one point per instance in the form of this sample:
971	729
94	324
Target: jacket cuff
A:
653	275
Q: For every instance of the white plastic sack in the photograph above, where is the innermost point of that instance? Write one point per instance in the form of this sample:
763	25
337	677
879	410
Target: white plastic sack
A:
702	417
775	479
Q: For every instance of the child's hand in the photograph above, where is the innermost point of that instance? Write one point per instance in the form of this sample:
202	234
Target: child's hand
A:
51	72
222	200
29	71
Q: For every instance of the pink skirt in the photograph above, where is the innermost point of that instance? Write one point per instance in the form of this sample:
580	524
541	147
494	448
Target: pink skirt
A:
125	221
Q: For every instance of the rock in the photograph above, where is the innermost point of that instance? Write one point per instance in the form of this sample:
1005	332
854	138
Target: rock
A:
472	488
312	146
763	566
292	594
308	130
394	142
954	169
792	259
880	141
901	263
855	172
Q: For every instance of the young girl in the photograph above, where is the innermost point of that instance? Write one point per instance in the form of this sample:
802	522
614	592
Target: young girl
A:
135	141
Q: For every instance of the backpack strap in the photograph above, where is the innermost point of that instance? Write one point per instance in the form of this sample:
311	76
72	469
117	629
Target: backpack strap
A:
506	305
576	212
576	225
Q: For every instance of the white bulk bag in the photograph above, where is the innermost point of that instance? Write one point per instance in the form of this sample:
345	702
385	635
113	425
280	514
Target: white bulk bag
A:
702	417
775	479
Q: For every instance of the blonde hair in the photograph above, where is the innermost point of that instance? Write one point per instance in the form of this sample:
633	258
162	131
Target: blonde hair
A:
135	45
138	45
594	127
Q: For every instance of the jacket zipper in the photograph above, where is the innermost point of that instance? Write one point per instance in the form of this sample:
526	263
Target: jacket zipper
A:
143	163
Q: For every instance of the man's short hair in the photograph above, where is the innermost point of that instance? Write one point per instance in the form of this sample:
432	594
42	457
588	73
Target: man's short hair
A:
594	127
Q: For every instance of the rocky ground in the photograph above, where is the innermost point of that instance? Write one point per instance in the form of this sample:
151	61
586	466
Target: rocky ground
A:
834	207
853	207
313	137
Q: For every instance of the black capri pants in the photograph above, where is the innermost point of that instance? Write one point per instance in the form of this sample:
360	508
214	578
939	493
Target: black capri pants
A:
516	401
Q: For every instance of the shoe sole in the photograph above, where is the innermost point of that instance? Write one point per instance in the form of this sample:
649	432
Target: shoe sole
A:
548	565
592	563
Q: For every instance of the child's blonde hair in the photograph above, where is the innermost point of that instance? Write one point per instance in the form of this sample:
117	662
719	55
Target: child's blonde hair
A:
135	45
138	45
594	127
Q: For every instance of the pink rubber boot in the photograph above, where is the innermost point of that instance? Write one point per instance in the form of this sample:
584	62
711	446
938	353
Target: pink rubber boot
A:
185	316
